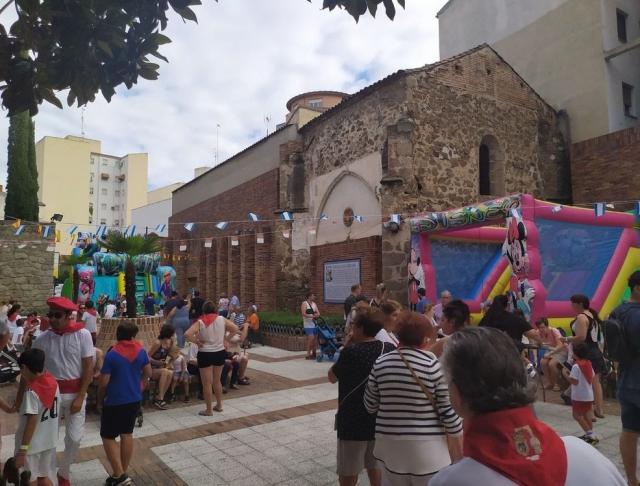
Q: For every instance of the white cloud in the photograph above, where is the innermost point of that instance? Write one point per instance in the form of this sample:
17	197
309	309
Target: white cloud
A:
242	61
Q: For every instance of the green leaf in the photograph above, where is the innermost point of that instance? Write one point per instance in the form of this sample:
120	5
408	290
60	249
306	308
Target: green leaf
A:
390	8
159	56
71	98
48	95
187	14
105	47
373	6
160	39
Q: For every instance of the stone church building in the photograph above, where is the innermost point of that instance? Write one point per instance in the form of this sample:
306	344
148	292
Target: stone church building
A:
448	134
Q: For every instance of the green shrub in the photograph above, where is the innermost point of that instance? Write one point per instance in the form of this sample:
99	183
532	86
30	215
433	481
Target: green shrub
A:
291	319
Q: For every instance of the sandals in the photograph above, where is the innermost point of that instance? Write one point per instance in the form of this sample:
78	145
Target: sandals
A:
234	387
244	381
160	404
598	414
204	413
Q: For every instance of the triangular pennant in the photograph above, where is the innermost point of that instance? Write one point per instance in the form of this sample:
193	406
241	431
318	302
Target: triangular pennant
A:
20	230
222	225
637	208
72	229
254	217
286	216
208	243
16	224
324	217
189	226
599	209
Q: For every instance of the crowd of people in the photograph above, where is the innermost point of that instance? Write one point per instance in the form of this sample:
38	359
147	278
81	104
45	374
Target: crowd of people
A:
59	363
409	379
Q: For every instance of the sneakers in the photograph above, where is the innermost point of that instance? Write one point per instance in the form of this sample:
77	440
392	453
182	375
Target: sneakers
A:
123	480
590	439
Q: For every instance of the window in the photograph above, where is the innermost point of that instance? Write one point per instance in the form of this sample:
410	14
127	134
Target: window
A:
116	193
104	191
92	161
315	103
103	221
115	208
485	171
103	206
621	18
91	191
116	222
91	177
627	99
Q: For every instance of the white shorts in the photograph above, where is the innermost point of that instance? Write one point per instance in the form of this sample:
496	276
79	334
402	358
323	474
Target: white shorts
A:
42	464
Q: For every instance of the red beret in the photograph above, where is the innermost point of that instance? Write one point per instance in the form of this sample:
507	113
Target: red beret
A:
61	303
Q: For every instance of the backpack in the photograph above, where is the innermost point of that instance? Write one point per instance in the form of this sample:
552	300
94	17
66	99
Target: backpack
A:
616	343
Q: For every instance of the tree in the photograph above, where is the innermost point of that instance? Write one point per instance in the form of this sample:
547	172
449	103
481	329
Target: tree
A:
21	202
32	194
131	246
95	46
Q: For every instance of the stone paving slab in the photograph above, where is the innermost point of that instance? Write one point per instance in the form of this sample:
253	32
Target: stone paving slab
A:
298	370
269	352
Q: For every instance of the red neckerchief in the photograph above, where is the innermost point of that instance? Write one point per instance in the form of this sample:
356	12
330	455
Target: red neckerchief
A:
71	327
586	369
518	446
129	349
208	319
91	312
45	386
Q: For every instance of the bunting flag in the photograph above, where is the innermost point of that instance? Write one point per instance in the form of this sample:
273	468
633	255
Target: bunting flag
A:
637	208
254	217
600	209
208	243
73	239
358	218
515	213
130	230
20	230
39	230
286	216
101	231
395	218
57	236
260	238
312	232
556	209
286	234
22	245
324	217
234	241
610	206
222	225
72	229
183	247
46	231
189	226
17	223
160	228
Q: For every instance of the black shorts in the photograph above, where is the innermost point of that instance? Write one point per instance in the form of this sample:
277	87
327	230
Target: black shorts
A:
206	359
118	419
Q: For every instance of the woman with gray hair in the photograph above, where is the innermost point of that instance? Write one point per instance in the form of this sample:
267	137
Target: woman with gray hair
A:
504	443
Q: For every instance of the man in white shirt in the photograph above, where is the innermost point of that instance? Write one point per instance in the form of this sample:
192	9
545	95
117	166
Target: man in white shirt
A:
110	310
90	319
445	298
69	358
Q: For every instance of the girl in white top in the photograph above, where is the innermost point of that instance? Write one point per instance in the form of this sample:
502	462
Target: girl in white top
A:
310	313
391	309
208	333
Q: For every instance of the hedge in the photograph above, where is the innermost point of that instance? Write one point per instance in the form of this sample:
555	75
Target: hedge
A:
285	318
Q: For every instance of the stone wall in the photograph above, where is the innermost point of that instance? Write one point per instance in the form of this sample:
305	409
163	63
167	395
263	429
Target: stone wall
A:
428	125
148	330
368	250
26	267
606	168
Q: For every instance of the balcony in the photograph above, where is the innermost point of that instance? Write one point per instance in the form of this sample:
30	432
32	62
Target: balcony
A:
104	176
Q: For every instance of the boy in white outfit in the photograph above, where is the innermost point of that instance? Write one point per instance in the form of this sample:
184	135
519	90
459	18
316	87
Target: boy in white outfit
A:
37	433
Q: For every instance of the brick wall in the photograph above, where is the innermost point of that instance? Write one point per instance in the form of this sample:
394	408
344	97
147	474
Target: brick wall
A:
225	268
606	168
368	250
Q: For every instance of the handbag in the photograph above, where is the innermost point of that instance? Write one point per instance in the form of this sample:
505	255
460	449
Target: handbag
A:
424	388
335	418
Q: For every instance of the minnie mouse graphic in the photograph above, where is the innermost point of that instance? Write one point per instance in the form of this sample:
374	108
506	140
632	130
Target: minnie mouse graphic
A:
515	249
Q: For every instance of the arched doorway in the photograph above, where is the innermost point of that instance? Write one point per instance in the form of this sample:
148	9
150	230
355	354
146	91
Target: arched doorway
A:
490	167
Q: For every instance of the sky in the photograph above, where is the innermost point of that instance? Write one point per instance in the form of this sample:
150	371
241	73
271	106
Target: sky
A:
240	64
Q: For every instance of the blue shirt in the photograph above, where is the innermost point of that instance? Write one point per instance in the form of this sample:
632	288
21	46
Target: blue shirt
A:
422	303
149	306
628	314
124	384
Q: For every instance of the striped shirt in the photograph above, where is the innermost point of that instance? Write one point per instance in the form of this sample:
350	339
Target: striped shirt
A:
404	411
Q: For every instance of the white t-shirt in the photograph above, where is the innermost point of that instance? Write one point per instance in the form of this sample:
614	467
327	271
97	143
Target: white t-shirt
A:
586	466
177	363
387	337
110	311
45	436
212	336
90	322
307	322
190	352
63	354
16	335
583	391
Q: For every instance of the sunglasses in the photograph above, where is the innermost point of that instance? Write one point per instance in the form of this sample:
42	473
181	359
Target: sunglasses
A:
55	315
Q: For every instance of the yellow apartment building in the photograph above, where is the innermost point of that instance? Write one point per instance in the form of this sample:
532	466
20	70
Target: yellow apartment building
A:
87	187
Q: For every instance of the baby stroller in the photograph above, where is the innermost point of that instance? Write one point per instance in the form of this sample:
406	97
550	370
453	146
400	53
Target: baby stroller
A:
326	340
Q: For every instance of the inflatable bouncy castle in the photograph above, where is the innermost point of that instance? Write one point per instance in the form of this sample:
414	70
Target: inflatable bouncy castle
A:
538	253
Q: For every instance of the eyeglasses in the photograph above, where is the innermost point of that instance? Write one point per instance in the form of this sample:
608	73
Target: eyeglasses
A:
55	315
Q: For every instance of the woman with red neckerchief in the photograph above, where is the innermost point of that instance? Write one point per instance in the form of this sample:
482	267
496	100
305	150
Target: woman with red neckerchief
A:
504	444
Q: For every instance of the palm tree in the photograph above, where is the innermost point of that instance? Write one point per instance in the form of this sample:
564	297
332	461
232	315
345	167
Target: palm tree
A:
130	246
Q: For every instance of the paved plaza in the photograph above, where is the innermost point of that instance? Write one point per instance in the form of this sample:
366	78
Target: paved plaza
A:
279	431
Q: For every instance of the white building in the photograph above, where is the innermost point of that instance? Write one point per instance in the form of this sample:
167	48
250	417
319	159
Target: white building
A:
581	56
